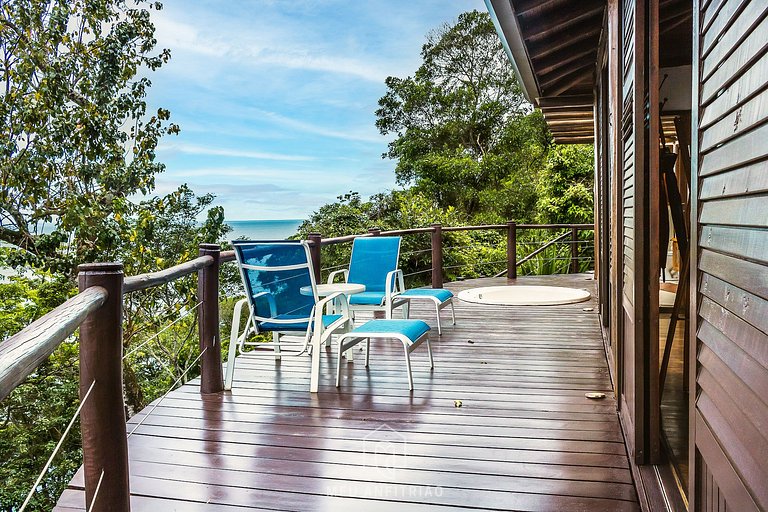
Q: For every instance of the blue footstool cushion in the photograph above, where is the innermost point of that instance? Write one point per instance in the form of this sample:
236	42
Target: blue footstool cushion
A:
440	294
411	329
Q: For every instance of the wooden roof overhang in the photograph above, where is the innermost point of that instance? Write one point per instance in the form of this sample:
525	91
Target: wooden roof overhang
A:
553	46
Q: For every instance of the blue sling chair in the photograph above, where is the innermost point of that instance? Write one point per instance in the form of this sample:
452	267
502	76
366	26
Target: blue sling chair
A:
374	265
281	295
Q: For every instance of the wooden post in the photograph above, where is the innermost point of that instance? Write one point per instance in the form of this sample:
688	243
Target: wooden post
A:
511	250
437	256
102	418
314	249
211	380
574	250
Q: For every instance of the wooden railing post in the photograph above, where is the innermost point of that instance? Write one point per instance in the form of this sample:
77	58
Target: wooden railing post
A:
574	250
511	250
102	417
211	376
437	256
314	250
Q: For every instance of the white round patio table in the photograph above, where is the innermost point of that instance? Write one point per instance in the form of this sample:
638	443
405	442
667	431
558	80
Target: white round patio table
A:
324	290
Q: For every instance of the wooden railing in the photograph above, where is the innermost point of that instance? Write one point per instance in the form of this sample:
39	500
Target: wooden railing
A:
436	242
97	311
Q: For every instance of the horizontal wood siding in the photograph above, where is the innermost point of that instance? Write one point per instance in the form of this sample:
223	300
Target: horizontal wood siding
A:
731	413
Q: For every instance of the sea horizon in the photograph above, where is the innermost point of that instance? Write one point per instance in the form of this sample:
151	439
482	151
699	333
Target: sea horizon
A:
263	229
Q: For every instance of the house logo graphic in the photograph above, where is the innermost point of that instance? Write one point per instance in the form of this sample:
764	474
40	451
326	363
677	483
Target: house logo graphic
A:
385	448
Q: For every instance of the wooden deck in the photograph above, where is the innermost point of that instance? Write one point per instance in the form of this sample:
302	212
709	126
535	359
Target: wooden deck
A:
524	438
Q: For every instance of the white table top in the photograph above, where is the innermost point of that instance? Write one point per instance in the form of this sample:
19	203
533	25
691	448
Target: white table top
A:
323	290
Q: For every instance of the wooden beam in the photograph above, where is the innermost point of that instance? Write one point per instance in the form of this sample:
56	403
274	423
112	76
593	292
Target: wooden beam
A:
574	133
525	7
568	114
571	122
569	82
23	352
540	45
562	20
544	65
577	101
574	140
577	68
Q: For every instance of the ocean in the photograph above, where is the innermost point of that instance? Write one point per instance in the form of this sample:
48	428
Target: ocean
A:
263	229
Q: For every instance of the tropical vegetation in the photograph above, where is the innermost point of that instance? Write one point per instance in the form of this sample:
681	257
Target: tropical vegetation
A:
78	146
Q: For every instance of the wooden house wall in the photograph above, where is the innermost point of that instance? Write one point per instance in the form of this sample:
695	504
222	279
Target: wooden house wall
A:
634	262
730	292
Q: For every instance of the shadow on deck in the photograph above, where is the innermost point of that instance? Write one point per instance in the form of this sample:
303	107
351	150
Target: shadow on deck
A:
524	438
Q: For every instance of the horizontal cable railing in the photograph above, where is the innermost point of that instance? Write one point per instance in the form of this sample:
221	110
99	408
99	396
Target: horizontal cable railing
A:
98	311
437	249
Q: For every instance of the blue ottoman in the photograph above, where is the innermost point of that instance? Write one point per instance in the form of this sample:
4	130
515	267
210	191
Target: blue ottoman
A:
439	296
410	332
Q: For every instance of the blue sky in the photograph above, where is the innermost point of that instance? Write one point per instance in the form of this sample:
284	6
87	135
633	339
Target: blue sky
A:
276	99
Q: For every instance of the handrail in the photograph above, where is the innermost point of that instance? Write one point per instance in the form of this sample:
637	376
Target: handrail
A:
152	279
316	241
431	229
225	256
341	239
97	310
548	244
534	253
519	226
412	231
23	352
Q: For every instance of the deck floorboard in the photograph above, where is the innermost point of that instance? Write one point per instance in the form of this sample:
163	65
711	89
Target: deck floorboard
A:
524	438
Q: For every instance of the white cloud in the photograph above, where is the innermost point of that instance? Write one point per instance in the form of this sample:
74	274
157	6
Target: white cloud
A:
193	149
356	134
269	48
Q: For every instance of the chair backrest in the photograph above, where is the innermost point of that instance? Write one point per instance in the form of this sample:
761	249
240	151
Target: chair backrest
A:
278	279
372	259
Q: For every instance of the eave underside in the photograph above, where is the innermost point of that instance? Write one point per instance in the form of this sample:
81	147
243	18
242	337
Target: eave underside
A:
558	42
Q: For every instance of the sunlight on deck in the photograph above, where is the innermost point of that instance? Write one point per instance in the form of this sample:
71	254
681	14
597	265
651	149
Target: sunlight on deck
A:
524	437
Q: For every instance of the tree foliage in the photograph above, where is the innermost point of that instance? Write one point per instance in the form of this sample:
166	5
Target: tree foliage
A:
461	124
75	137
77	144
565	185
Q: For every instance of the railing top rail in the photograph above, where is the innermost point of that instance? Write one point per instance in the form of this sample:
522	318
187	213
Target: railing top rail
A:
475	228
555	226
151	279
341	239
23	352
413	231
226	256
430	229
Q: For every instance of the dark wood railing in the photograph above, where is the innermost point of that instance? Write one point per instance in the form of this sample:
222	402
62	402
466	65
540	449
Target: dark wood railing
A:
97	311
436	243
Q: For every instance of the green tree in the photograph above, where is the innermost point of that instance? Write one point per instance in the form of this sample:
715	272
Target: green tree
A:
164	232
461	124
565	186
34	415
76	142
75	136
